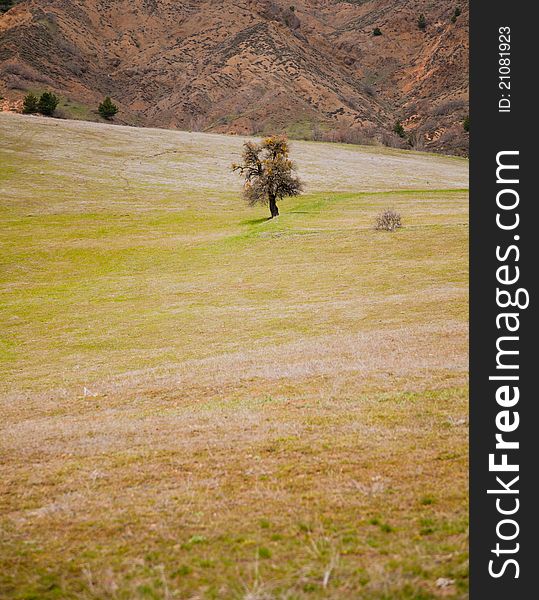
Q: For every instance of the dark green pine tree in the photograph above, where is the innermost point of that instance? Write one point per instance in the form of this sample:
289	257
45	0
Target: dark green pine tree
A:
30	104
107	109
47	103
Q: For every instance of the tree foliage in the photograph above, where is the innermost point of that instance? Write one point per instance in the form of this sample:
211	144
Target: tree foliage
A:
47	103
268	173
5	5
421	21
107	109
30	104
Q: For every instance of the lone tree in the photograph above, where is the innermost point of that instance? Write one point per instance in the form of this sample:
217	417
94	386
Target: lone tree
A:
107	109
47	103
268	172
30	104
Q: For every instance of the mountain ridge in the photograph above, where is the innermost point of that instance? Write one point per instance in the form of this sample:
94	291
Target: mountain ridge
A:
313	70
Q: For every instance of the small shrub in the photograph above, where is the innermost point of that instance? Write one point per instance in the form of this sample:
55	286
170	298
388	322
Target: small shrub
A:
447	107
30	104
376	31
399	129
60	113
392	140
21	76
47	103
369	90
107	109
365	136
290	18
389	220
456	14
466	123
422	21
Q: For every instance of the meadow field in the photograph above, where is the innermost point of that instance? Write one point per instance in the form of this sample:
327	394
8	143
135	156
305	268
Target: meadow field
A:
200	403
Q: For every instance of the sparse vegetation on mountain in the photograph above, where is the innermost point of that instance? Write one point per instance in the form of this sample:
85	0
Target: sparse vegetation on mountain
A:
376	31
268	172
456	15
107	109
422	21
466	123
294	67
47	103
30	104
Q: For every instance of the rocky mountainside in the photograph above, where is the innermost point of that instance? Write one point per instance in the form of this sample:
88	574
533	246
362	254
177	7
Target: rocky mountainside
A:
314	69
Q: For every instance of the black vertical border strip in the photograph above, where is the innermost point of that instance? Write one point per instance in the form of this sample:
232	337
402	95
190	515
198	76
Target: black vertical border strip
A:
490	133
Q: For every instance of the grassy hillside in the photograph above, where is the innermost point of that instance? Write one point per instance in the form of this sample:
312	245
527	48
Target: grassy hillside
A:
201	403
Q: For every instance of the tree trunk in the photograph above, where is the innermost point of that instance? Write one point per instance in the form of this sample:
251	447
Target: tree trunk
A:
273	206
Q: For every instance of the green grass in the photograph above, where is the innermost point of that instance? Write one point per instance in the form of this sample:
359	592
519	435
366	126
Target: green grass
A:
71	109
303	129
199	402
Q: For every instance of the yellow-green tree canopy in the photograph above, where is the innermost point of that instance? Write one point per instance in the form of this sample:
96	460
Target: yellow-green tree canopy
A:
268	172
